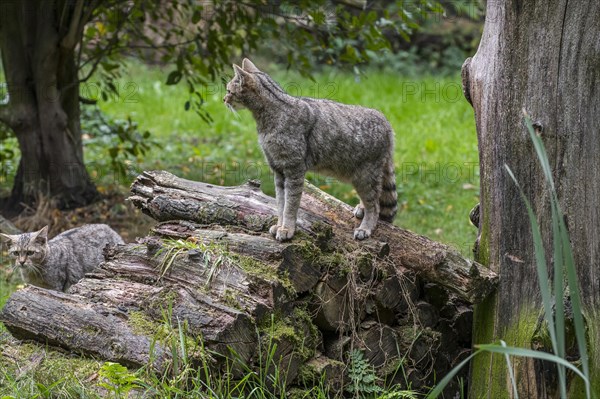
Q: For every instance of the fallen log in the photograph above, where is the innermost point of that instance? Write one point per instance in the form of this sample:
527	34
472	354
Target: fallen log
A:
167	197
71	322
210	272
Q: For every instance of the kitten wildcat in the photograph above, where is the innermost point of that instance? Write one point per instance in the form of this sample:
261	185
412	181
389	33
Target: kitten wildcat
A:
61	262
297	134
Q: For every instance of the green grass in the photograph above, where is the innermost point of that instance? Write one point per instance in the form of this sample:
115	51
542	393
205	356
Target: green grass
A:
30	371
436	147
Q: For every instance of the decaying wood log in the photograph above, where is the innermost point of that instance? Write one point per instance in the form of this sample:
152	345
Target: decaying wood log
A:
167	197
291	259
71	322
210	271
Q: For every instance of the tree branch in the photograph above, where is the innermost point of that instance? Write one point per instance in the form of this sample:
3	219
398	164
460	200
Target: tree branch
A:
70	39
94	66
110	47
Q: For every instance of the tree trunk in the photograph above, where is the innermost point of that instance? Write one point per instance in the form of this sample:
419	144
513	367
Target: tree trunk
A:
43	110
544	57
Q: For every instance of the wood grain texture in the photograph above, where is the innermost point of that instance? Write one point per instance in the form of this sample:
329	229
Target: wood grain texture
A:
542	57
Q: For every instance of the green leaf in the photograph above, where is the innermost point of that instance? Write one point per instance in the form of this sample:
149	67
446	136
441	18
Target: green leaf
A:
113	152
540	261
511	374
196	16
541	152
522	352
174	77
563	258
576	303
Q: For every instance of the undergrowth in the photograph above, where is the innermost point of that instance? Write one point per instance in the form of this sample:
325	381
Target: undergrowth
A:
36	372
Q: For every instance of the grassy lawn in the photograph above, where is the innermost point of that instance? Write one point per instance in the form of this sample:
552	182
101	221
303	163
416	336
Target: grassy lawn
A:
436	147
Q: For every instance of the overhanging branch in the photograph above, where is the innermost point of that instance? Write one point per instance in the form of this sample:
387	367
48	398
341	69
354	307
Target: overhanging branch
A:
361	4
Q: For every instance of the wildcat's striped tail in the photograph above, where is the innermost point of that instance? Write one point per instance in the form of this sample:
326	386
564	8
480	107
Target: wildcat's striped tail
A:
388	201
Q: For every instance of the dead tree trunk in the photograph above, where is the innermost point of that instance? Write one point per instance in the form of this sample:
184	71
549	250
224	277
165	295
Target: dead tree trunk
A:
544	57
211	269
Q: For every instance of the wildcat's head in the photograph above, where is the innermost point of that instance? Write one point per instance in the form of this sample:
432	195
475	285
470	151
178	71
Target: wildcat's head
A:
28	249
242	88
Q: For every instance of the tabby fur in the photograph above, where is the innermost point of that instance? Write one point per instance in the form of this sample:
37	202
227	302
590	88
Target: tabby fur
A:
297	134
58	263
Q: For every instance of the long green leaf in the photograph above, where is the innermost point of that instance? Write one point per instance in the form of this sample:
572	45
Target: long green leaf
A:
559	291
182	343
522	352
576	306
541	152
511	373
558	258
564	261
540	261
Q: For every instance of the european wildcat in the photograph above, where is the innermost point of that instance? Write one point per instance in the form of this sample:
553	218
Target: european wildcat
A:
61	262
297	134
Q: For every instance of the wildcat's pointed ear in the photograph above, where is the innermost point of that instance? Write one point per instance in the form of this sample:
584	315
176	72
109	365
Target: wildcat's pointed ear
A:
244	76
239	71
6	237
41	235
248	66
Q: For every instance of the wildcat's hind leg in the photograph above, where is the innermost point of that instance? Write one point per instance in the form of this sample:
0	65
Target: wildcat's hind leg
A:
280	200
368	186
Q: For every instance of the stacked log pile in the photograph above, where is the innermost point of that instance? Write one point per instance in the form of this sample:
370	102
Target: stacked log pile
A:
323	301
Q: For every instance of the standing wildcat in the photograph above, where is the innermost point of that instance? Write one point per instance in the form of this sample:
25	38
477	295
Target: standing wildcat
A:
297	134
61	262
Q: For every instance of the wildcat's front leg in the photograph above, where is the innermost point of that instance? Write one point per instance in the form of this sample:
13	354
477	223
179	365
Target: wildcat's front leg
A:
280	200
293	186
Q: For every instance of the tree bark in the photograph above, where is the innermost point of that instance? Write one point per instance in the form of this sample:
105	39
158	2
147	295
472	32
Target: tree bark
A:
43	110
544	57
